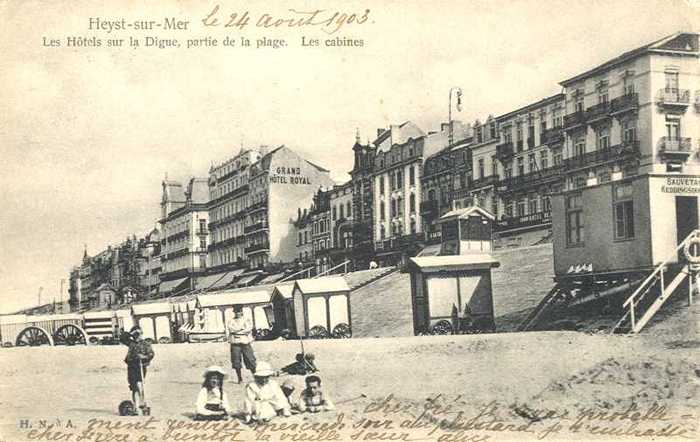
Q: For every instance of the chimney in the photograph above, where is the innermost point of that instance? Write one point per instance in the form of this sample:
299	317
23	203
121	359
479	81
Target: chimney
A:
380	131
395	134
444	127
263	150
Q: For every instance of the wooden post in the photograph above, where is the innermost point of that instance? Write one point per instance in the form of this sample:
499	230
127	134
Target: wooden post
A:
632	314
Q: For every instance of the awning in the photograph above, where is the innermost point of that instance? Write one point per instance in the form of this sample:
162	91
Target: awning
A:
432	250
246	280
216	280
171	286
238	297
327	284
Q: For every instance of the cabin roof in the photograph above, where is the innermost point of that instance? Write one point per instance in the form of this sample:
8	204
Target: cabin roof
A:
465	213
326	284
432	264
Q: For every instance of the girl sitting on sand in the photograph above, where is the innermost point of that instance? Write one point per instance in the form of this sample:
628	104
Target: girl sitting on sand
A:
212	402
264	398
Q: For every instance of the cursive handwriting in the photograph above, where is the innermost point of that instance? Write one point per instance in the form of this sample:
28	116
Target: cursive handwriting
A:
328	21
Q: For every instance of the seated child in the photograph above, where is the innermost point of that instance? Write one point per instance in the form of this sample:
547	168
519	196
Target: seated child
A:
312	398
212	402
288	390
264	398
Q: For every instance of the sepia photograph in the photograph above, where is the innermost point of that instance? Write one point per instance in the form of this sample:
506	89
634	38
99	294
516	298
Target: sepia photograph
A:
378	220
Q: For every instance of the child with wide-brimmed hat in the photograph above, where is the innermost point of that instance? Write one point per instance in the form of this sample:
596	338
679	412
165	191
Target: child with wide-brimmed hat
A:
212	403
264	398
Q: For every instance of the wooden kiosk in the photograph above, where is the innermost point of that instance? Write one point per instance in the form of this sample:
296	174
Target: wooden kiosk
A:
451	293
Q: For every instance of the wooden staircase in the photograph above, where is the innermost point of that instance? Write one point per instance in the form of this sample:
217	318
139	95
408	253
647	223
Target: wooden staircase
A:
547	303
654	291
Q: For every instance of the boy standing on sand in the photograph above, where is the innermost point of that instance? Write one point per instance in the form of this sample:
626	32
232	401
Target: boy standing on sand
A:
240	331
137	359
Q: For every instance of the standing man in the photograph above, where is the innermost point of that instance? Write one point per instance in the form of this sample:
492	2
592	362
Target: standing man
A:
240	336
137	359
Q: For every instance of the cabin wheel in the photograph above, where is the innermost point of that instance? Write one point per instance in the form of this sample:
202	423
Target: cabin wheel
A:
33	337
442	328
69	334
342	331
318	332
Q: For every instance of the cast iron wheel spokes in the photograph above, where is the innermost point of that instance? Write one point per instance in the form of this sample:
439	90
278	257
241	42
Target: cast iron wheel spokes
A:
70	334
342	331
318	332
33	337
442	328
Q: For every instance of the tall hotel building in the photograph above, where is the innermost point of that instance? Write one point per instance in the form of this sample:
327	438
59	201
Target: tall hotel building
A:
255	195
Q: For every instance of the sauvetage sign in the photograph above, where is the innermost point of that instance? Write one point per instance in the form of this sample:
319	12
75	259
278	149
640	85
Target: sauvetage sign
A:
681	185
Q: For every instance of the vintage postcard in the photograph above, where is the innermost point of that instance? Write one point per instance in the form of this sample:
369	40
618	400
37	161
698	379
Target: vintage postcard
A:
364	220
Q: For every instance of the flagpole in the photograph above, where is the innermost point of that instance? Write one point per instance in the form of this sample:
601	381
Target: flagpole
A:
449	113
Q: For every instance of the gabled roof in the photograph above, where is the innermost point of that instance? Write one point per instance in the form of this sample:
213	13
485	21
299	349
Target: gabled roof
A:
285	290
431	264
680	42
466	212
326	284
227	298
198	190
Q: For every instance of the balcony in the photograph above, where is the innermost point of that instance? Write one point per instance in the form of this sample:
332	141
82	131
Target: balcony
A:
504	151
601	156
428	207
673	99
599	112
530	179
484	181
532	219
624	103
257	248
553	136
202	231
262	205
575	120
255	227
675	148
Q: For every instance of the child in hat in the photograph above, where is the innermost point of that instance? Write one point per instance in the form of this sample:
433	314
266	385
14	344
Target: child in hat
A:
264	398
137	358
312	398
212	403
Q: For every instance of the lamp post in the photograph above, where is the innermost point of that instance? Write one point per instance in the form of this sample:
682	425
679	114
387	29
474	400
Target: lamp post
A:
458	92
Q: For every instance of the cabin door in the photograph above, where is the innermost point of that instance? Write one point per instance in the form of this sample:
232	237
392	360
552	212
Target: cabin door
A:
686	216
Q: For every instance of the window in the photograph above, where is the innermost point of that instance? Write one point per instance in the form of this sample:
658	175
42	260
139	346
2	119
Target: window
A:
508	135
479	136
492	128
556	158
382	214
544	159
521	166
412	175
580	146
494	166
556	118
335	214
342	214
399	206
413	226
531	134
672	81
382	232
301	237
628	85
673	128
462	180
578	101
532	206
521	207
603	94
431	195
393	208
481	168
574	220
508	171
623	210
381	185
532	162
348	210
412	203
629	131
603	138
543	123
399	180
508	208
546	204
519	136
203	244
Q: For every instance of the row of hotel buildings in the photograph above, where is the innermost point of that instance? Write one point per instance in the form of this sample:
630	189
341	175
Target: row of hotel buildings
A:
264	213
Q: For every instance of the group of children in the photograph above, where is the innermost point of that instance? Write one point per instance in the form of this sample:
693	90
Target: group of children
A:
264	398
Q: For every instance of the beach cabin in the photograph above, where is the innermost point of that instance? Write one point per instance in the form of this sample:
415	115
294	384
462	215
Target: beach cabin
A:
99	325
466	230
154	320
183	315
452	294
213	310
282	309
320	308
10	326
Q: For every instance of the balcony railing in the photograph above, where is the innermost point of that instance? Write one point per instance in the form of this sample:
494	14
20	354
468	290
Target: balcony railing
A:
258	206
598	112
554	135
504	151
537	177
673	97
624	103
202	231
574	120
674	144
257	247
532	219
601	156
484	181
399	242
255	227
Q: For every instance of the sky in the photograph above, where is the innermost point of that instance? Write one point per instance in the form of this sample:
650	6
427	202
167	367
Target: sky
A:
88	134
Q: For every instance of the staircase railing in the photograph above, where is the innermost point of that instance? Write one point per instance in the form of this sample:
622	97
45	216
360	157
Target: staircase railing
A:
645	287
345	264
306	270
